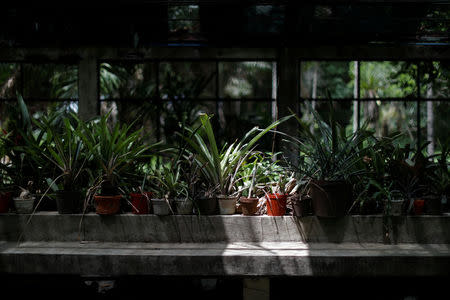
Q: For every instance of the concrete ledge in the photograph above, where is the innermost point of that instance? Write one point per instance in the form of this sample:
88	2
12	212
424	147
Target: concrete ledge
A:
50	226
222	259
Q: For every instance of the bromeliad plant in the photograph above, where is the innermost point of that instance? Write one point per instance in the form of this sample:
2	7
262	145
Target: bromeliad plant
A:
220	167
113	151
331	158
63	147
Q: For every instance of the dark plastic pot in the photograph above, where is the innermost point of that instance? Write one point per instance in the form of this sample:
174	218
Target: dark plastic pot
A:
301	206
5	200
207	206
249	206
68	202
183	206
140	203
432	205
107	205
330	198
276	204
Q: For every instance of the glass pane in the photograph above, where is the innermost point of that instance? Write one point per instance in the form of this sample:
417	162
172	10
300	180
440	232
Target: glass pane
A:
50	81
434	78
9	80
179	80
388	117
343	112
143	113
324	79
232	119
184	18
127	80
388	79
265	19
249	79
434	123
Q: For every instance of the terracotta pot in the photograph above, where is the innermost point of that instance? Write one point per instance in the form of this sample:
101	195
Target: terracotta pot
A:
68	202
5	200
249	206
276	204
183	206
418	206
24	206
207	206
301	206
161	207
140	203
330	198
107	205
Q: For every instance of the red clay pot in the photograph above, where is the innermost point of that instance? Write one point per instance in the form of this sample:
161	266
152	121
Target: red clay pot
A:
5	200
276	204
249	206
107	205
140	203
418	206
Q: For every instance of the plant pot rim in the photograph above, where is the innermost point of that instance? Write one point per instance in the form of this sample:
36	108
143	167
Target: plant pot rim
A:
221	196
248	200
394	200
141	194
277	195
22	199
108	196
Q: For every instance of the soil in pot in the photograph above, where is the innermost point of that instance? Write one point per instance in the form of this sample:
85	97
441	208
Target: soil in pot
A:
5	200
207	205
68	202
330	198
161	207
107	205
183	206
227	204
140	203
249	206
301	206
24	205
276	204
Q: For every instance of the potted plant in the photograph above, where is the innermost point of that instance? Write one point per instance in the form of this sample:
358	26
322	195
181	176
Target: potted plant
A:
301	199
393	199
330	158
279	188
220	167
19	165
5	183
24	203
63	147
113	151
248	201
173	189
438	182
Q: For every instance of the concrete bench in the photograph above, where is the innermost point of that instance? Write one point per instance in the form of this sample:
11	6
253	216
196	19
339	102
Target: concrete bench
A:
234	245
